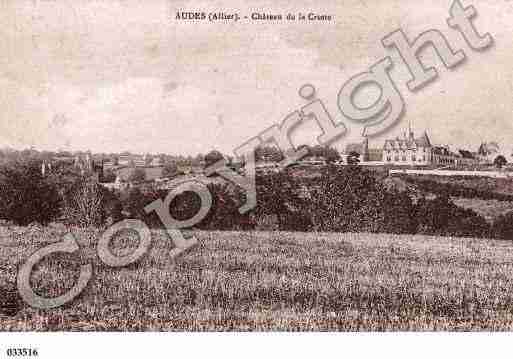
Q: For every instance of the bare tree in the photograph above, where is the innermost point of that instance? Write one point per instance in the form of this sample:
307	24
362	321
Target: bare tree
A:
83	204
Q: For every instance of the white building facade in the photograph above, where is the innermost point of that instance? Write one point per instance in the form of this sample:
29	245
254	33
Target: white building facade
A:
408	150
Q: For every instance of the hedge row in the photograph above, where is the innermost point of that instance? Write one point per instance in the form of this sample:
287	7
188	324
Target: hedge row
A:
341	199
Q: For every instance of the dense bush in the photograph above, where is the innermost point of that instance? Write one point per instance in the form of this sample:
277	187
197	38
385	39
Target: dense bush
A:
25	195
341	199
399	213
346	199
278	196
351	199
133	203
440	216
135	199
224	213
108	176
502	227
113	208
182	206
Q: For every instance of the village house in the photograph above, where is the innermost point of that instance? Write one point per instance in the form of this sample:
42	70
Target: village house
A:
84	163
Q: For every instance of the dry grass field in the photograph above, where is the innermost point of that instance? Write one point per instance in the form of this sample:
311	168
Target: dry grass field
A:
490	209
273	281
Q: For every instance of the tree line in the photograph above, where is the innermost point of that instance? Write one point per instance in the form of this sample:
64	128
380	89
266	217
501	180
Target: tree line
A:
342	199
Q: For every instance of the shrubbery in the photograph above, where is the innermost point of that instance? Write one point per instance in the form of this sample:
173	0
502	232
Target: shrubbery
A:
346	199
279	196
350	199
25	195
440	216
224	213
399	213
343	199
276	196
502	227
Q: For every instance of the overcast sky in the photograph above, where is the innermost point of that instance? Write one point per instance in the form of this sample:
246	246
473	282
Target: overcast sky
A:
126	75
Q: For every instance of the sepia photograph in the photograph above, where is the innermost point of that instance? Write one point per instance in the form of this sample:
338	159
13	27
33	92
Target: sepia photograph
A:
235	166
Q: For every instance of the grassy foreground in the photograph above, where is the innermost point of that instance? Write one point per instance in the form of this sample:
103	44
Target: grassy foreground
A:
273	281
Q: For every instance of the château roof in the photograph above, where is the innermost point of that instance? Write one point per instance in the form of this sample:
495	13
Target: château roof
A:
408	143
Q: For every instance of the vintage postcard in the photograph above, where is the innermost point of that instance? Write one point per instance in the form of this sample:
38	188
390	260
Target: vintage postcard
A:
255	166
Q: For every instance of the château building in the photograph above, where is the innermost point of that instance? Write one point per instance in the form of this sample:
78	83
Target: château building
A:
409	150
419	151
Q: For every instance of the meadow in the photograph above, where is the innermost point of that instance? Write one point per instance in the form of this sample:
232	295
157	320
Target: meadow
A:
490	209
259	281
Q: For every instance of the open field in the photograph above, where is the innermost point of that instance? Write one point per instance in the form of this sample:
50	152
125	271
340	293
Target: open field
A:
490	209
475	187
273	281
